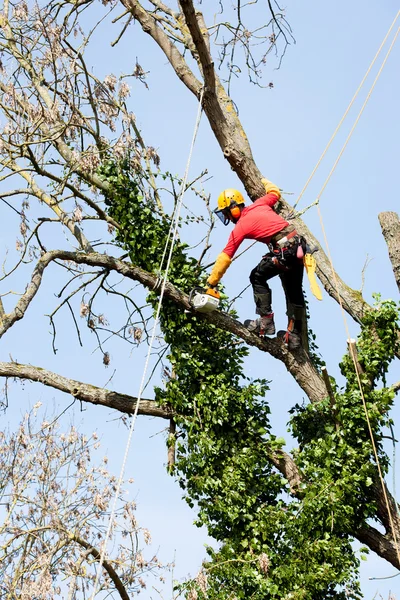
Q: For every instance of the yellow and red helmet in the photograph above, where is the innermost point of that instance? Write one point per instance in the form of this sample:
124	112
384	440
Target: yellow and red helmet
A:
229	205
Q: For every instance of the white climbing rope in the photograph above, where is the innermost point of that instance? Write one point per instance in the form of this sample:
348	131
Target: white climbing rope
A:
174	230
358	117
347	111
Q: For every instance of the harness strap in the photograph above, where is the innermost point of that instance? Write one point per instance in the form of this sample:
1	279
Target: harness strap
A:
288	231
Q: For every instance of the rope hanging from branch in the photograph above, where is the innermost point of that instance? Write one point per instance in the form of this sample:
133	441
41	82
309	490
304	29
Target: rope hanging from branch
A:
171	239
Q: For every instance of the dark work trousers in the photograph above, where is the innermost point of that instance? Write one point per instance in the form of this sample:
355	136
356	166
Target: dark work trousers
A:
290	270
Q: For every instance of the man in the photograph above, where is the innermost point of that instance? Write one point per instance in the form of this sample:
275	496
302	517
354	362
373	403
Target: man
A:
260	222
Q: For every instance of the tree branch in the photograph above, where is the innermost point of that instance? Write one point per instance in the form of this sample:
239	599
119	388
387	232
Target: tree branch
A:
206	61
288	468
119	586
23	303
125	404
298	365
380	543
84	391
390	225
178	63
233	141
54	205
382	510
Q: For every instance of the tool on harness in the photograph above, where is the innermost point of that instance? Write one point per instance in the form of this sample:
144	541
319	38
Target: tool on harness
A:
310	264
204	301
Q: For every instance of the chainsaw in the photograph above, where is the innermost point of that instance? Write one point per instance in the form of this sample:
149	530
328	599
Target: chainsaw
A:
204	301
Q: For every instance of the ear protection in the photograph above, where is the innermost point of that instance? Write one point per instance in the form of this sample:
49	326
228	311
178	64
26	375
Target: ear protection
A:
235	212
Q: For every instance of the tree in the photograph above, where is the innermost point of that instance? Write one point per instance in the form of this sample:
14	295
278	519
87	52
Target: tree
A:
73	140
56	512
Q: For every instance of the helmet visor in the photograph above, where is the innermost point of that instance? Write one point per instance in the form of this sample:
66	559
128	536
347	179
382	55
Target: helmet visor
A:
223	215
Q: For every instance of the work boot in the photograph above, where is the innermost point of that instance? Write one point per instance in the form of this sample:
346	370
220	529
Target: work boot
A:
264	325
292	336
291	339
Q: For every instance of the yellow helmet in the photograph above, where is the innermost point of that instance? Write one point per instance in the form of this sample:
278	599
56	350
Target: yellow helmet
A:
229	203
228	196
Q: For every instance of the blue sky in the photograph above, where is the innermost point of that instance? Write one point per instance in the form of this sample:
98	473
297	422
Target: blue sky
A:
288	127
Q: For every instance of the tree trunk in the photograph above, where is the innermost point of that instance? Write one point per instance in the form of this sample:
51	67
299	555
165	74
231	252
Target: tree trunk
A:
229	133
390	225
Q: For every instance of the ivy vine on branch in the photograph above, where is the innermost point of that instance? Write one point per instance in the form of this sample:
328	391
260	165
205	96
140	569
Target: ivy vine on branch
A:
270	544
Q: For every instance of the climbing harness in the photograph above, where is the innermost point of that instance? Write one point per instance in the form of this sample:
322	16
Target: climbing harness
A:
284	240
171	236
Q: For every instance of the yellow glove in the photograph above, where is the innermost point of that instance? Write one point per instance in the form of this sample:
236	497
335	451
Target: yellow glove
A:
221	265
270	187
310	264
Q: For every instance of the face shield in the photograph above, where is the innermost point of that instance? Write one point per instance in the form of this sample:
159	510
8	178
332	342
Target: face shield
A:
223	215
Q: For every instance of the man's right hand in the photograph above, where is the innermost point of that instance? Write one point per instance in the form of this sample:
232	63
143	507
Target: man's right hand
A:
221	264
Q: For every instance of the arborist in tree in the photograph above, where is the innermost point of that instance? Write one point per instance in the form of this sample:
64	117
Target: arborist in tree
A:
285	258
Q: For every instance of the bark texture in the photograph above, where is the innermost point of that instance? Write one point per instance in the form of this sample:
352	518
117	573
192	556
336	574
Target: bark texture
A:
84	391
380	543
390	225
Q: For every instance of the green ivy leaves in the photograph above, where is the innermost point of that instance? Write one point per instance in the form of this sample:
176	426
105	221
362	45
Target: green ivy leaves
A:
224	444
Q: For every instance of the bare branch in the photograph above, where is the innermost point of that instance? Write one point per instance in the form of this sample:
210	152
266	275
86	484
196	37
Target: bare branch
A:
84	391
119	586
149	26
54	205
286	465
199	40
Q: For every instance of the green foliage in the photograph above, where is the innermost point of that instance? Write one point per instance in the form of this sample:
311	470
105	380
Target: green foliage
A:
143	232
271	545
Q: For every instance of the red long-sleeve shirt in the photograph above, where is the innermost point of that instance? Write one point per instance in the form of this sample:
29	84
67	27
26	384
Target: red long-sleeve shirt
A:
257	222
